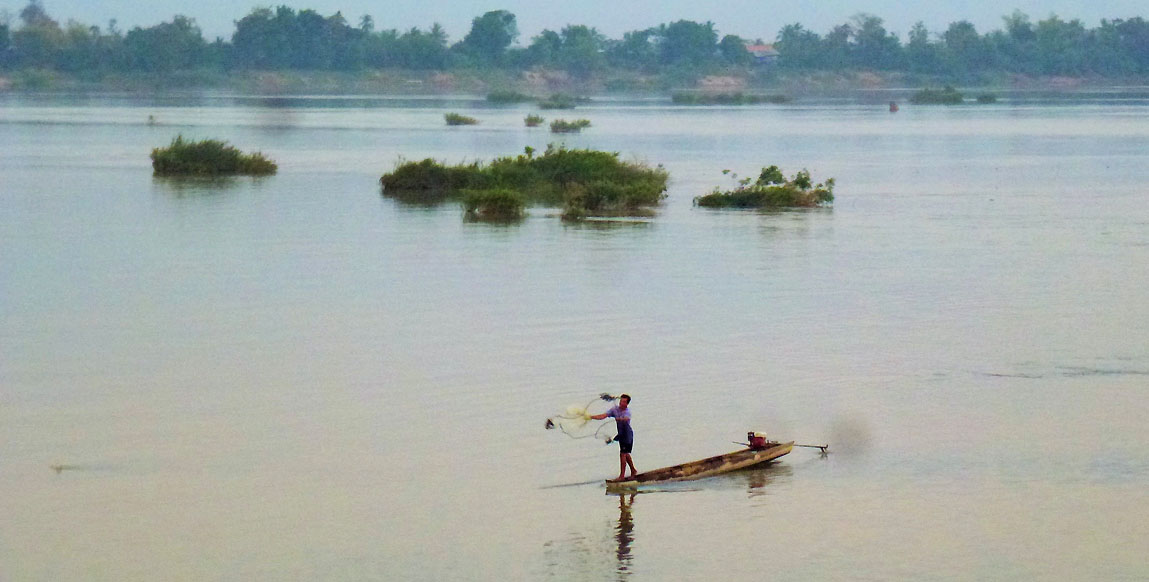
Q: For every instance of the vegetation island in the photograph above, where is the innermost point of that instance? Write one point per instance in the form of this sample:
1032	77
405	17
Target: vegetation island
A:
555	101
208	157
720	98
771	190
459	119
584	182
283	50
946	96
564	126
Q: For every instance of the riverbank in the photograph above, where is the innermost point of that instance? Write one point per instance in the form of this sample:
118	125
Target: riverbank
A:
538	82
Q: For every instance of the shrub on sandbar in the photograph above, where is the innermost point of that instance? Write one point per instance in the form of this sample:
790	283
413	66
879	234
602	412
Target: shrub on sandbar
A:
496	203
459	119
533	120
946	96
508	97
208	157
701	98
771	190
587	180
564	126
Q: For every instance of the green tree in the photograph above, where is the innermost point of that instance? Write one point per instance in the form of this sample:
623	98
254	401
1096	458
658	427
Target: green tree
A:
687	42
5	45
922	55
1061	46
39	39
490	36
1133	38
636	50
733	50
34	15
798	48
79	51
1015	47
837	50
262	39
423	50
873	46
1105	53
168	46
544	49
1018	27
581	52
964	50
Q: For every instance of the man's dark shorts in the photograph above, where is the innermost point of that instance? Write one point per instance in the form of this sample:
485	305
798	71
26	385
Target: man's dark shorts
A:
625	442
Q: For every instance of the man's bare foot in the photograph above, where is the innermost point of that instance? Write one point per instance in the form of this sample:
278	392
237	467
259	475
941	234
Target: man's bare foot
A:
621	478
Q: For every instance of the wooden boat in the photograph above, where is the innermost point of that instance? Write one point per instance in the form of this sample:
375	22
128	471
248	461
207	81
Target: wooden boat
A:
708	467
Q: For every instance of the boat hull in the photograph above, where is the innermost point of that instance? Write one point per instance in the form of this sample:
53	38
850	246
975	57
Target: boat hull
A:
708	467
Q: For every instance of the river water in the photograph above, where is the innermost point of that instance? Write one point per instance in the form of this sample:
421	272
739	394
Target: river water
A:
296	378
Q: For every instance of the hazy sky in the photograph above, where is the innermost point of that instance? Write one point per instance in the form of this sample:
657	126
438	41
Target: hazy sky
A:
746	18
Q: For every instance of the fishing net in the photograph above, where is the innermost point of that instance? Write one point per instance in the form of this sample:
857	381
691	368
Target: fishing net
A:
576	421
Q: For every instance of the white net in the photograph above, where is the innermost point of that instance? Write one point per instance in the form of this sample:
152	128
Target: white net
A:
576	422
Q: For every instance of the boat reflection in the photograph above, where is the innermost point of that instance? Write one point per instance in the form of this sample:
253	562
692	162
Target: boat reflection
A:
758	480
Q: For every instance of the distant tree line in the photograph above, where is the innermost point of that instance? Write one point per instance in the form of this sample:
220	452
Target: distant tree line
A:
286	39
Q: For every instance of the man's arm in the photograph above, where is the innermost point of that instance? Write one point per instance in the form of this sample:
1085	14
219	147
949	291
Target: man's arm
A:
599	416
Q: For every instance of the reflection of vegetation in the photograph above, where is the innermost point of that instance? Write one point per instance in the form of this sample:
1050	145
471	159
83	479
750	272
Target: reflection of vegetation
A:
496	203
508	97
459	119
947	96
533	120
208	157
698	98
562	101
771	190
564	126
987	98
548	104
585	182
185	186
599	223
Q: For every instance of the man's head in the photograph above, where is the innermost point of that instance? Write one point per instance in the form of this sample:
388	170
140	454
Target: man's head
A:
624	400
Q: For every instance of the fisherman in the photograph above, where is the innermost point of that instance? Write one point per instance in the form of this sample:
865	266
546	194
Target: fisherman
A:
625	439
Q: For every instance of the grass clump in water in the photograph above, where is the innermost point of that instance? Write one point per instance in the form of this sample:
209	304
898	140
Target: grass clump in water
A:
986	98
431	176
533	120
564	126
459	119
771	190
584	182
494	204
508	97
208	157
699	98
946	96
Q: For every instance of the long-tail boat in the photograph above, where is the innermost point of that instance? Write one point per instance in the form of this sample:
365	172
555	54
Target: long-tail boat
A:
758	452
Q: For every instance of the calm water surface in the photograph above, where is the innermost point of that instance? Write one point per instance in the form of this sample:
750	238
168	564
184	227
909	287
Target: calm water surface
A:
296	378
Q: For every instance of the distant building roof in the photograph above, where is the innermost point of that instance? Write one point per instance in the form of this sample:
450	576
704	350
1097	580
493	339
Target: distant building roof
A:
762	51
